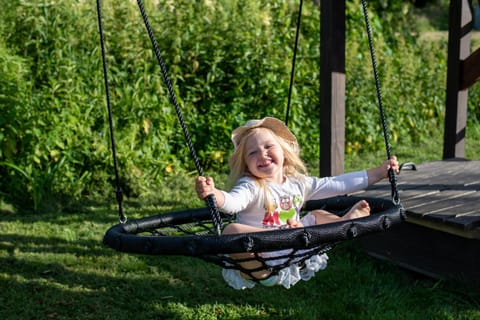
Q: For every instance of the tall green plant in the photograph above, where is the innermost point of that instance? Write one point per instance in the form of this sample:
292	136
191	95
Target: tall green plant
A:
228	61
411	76
50	113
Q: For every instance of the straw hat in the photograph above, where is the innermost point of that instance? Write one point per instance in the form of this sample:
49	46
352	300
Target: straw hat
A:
277	126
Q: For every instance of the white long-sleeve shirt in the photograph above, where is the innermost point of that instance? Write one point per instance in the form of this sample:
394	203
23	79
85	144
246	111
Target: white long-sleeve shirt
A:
247	199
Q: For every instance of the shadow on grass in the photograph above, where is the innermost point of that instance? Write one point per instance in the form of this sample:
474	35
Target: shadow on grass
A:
49	277
51	245
104	212
60	279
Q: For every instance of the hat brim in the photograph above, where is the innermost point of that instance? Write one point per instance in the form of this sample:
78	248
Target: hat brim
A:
275	125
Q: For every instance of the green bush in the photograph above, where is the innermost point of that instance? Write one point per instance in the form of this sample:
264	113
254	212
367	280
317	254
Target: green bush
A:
58	111
228	61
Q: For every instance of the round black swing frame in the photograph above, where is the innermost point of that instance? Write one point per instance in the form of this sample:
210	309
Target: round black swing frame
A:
126	237
210	244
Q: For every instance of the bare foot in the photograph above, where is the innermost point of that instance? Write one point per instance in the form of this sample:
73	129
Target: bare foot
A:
294	223
359	209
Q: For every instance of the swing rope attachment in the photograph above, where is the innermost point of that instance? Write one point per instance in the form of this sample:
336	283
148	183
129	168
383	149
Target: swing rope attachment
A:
391	174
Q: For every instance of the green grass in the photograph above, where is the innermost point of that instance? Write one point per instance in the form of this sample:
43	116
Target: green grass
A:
54	266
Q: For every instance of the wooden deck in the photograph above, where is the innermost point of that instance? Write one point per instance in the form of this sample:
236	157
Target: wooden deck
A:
441	235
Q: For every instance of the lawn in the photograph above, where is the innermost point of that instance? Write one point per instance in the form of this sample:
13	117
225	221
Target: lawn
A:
54	266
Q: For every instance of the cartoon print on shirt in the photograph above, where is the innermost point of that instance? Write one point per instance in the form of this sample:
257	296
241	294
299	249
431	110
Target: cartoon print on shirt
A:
287	209
297	203
277	215
271	219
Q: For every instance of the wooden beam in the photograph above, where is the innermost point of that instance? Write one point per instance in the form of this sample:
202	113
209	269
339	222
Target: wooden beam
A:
470	70
460	25
332	87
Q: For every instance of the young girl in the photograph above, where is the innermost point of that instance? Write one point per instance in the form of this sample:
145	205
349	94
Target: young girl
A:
270	186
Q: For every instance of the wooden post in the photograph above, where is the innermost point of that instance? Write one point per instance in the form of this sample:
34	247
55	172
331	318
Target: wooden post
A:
460	25
332	88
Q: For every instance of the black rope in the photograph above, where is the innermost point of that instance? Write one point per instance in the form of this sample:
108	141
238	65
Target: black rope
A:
292	73
119	193
391	174
210	200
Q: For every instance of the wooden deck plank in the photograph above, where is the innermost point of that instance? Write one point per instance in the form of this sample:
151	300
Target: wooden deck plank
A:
441	235
445	194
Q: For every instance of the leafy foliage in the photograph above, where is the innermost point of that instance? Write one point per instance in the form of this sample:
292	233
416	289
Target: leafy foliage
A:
229	61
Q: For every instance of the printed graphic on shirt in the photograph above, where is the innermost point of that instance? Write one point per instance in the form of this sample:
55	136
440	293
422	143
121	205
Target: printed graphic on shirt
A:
271	218
277	215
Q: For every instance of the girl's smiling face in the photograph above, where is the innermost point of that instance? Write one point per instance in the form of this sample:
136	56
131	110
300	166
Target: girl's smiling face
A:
264	156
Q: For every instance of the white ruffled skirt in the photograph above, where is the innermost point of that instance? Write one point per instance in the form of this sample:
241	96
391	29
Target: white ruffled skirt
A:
286	277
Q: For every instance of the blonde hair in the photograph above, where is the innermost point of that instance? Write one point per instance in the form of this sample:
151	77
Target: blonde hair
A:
292	164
